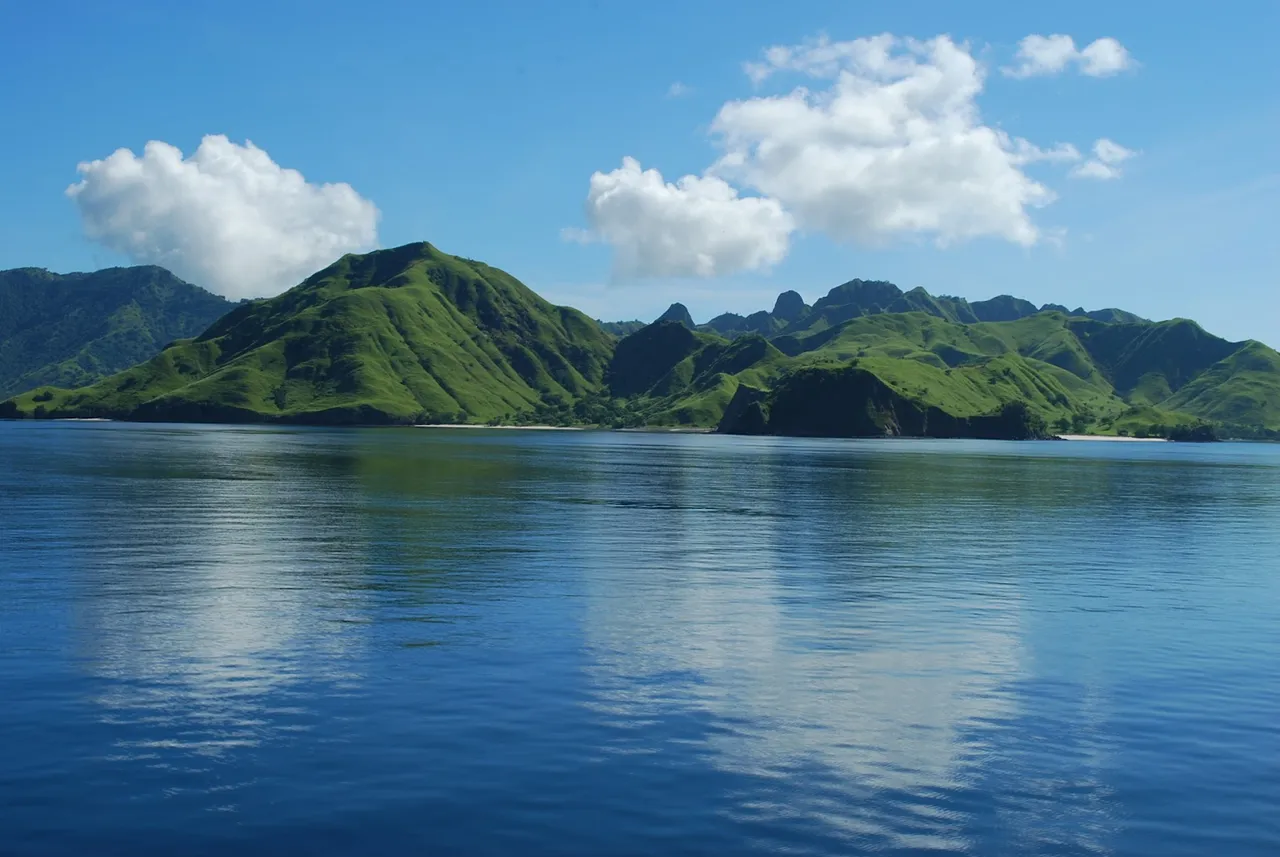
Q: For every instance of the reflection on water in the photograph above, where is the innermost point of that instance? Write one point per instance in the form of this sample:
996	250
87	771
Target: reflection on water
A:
216	590
302	641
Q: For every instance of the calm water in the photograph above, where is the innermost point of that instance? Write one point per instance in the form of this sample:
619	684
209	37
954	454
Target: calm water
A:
220	640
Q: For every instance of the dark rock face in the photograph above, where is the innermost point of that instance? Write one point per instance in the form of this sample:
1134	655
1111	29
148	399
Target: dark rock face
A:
648	354
745	412
851	402
789	306
677	312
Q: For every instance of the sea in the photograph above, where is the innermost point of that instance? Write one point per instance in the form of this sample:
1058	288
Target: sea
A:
299	641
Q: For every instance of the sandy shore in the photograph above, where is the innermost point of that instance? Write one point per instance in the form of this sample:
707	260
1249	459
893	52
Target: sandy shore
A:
1112	437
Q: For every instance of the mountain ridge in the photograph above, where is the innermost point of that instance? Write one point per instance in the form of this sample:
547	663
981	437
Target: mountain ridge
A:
73	329
858	297
411	334
399	335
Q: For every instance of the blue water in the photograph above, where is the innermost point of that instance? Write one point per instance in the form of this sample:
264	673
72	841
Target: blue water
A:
230	640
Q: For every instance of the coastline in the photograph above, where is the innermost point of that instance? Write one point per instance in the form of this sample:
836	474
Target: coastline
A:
507	428
641	429
1110	438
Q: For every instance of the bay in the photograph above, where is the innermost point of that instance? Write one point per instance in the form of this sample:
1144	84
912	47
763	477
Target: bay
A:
305	641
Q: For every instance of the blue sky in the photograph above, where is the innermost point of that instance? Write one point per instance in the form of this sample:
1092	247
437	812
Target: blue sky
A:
478	126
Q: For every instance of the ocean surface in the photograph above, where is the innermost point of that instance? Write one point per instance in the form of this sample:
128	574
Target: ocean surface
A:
261	641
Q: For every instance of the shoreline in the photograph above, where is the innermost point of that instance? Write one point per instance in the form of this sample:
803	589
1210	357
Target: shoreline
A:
506	428
1113	438
640	429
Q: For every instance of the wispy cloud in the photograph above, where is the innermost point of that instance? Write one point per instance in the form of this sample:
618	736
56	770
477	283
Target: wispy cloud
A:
1105	163
1039	56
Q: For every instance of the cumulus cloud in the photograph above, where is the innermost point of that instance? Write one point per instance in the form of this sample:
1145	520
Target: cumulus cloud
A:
679	90
1047	55
227	218
895	144
1105	163
696	226
885	140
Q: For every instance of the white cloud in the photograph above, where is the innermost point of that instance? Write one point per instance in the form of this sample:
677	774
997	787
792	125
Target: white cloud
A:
823	58
1024	152
679	90
697	226
1047	55
895	145
886	142
228	218
1105	163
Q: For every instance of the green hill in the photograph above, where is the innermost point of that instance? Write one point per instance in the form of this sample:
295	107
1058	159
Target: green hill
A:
413	334
676	376
1070	372
69	330
387	337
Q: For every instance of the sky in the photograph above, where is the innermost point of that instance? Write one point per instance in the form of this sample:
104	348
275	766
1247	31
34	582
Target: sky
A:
618	157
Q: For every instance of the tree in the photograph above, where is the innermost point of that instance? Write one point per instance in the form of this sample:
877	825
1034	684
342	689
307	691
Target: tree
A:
1198	433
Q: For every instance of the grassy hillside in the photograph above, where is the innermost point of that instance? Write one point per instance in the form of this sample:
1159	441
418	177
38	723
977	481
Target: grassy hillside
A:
1242	389
413	334
391	336
1071	372
69	330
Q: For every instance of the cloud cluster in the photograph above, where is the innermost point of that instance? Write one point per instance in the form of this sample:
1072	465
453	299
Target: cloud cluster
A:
1106	161
1048	55
886	141
698	226
227	218
894	145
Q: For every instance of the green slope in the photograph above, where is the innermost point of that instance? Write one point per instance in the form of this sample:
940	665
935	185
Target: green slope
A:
1242	389
1148	363
1070	372
415	334
73	329
852	401
391	336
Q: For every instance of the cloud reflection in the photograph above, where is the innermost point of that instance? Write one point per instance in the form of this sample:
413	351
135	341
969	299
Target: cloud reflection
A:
218	594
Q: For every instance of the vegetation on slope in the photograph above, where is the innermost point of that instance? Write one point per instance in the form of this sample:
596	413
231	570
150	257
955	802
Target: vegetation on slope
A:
391	336
69	330
413	334
850	401
1072	374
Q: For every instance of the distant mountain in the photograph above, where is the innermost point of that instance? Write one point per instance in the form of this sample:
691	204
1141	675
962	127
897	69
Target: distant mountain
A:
68	330
392	336
413	334
858	298
789	307
679	313
921	374
621	328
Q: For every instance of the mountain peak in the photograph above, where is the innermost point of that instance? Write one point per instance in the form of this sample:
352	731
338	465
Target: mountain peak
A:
677	312
789	306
